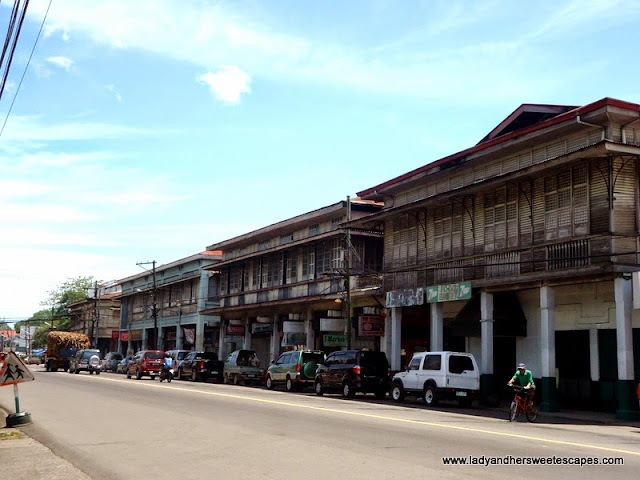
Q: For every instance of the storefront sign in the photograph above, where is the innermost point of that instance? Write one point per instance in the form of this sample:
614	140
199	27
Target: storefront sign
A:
235	330
294	339
405	298
334	340
371	325
261	328
124	336
115	334
449	293
332	324
135	335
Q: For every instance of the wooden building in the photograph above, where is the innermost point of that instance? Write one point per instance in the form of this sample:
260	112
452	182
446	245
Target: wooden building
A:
541	221
293	284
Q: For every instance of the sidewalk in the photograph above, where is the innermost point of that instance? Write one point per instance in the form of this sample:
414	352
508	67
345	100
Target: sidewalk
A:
23	458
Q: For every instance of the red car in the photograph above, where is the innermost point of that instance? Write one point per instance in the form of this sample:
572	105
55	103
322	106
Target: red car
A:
146	363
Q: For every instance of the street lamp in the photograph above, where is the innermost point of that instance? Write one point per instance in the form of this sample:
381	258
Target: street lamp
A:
154	310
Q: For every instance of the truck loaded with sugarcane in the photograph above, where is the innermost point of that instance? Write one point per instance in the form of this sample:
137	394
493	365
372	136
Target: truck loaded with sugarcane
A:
61	347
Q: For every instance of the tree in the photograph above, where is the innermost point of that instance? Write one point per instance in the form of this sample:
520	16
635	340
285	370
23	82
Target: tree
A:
70	291
5	326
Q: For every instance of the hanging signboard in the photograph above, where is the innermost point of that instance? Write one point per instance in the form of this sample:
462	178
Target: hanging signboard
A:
449	293
405	298
371	325
332	324
115	334
124	336
261	328
235	330
135	335
292	327
14	371
190	335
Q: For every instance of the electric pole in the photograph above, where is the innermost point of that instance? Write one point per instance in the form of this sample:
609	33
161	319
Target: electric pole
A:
348	326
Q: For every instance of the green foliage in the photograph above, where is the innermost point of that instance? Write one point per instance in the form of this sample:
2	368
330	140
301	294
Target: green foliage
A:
70	291
40	337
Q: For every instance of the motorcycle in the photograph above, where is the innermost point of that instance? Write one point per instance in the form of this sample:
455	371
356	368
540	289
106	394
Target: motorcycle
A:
166	375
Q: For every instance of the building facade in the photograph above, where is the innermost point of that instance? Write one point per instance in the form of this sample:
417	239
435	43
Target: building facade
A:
98	316
522	249
297	282
162	307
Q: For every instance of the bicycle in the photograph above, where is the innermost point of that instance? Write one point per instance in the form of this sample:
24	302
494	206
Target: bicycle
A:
521	404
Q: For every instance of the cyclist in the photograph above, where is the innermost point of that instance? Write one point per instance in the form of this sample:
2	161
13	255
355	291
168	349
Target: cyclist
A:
524	378
168	363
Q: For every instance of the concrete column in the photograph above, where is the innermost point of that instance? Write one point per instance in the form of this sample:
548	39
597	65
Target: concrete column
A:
308	328
385	341
624	337
437	321
144	339
548	350
160	338
247	333
200	334
275	340
179	337
488	390
396	337
222	354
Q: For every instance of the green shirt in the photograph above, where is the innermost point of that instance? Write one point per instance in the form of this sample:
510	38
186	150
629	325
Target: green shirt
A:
524	378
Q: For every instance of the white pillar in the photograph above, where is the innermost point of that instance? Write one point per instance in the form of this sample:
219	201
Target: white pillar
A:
594	355
385	341
144	339
160	338
547	332
486	332
275	340
623	328
437	321
200	334
308	328
396	336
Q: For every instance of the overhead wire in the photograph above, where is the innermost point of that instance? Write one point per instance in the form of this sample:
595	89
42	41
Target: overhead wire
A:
14	44
27	65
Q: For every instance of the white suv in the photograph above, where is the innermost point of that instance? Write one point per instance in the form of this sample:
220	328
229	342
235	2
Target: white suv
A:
438	375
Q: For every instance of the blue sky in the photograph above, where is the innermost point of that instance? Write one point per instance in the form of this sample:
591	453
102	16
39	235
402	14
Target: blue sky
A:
150	129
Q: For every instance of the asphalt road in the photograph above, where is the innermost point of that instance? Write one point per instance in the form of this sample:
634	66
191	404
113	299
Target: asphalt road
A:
114	428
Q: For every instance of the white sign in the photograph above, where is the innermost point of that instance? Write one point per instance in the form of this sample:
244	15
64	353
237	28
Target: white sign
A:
332	324
292	327
14	371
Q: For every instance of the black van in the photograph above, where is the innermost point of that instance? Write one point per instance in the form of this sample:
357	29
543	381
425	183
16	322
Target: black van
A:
351	371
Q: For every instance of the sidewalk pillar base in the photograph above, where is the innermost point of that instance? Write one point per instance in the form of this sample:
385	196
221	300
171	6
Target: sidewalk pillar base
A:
626	400
20	418
488	391
549	402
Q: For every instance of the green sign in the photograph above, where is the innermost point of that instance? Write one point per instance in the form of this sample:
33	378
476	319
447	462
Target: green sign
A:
449	293
338	340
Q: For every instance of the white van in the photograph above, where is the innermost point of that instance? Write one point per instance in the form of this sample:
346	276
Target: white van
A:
438	375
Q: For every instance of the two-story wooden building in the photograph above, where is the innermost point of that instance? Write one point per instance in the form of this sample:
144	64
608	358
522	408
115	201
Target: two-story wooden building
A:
295	282
521	249
162	307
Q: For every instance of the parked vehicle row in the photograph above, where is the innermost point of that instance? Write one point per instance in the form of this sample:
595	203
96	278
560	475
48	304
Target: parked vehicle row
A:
430	376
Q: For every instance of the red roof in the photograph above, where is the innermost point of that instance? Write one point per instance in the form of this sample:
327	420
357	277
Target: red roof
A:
612	102
8	333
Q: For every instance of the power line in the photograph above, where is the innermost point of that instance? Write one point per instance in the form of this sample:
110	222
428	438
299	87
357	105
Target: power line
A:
27	65
14	14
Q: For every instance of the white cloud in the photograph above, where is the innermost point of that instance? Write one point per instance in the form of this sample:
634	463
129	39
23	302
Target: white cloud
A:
112	89
62	62
228	83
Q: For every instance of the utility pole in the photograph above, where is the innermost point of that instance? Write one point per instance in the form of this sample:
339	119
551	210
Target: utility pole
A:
154	310
348	326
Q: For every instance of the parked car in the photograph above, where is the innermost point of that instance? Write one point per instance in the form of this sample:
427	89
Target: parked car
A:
33	360
178	357
110	361
201	365
87	359
146	363
295	369
123	365
438	375
243	366
351	371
